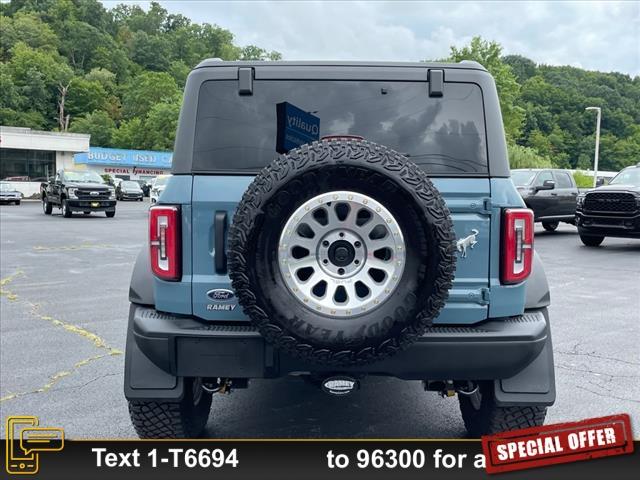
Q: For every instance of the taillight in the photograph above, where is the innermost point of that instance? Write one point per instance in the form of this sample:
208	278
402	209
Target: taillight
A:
517	244
164	241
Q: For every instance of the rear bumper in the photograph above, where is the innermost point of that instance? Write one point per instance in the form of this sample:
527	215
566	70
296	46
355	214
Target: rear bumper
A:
184	347
88	205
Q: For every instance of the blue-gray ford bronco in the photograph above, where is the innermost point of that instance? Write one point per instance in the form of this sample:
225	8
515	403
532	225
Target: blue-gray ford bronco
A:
331	221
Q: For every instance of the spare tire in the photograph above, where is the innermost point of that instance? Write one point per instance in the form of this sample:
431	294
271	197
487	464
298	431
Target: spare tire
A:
342	252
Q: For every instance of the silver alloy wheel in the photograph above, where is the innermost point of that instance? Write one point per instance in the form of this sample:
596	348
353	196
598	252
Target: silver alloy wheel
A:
341	254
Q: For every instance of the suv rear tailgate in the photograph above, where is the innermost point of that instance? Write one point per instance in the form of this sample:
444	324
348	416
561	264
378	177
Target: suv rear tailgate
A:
467	199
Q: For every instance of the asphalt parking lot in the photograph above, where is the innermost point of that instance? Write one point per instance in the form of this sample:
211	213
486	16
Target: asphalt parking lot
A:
63	310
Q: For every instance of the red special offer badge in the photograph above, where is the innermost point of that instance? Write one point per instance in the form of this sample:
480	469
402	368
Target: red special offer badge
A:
560	443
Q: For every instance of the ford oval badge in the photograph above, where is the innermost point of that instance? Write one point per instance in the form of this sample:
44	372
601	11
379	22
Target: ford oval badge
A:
220	294
340	385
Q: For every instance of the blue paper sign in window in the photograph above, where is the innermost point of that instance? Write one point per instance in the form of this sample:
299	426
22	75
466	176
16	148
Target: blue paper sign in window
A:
295	127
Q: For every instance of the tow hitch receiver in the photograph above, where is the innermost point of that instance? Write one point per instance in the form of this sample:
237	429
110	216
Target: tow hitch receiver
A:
340	385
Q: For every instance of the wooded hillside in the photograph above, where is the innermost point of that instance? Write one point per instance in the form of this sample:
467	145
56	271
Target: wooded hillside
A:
118	74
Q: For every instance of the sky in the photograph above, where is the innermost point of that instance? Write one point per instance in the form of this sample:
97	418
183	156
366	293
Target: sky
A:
593	35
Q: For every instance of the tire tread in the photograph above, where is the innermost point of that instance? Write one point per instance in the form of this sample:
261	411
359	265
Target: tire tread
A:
492	418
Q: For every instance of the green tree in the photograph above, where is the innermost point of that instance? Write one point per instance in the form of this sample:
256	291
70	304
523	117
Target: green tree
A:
12	108
525	157
130	134
38	74
147	89
522	67
130	64
104	77
179	71
150	22
98	124
152	52
216	42
79	42
11	97
27	28
22	118
112	57
251	52
85	96
488	55
160	126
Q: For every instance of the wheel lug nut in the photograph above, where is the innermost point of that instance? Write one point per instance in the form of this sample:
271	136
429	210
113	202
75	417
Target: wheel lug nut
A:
358	244
325	261
357	262
341	234
341	271
325	243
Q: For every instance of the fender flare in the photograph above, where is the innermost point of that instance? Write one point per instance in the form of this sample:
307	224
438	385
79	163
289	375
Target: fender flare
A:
537	286
141	286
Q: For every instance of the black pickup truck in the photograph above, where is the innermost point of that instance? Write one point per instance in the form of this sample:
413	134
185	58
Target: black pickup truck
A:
550	193
612	210
78	191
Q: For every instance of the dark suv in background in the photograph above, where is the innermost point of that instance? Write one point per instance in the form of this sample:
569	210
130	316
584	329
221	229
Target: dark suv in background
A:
129	190
612	210
550	193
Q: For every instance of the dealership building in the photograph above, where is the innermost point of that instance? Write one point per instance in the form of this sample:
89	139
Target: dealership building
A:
28	157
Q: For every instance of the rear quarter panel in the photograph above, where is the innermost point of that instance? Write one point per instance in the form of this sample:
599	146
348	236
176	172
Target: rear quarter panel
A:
175	297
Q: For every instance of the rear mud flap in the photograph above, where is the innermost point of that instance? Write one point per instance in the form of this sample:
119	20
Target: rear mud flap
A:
534	385
143	379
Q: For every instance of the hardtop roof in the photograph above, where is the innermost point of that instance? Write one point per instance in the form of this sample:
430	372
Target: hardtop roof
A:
464	64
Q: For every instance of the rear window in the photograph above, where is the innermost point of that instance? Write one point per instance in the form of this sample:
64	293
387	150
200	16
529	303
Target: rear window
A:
444	135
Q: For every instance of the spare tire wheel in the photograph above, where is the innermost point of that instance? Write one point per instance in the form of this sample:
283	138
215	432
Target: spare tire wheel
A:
342	252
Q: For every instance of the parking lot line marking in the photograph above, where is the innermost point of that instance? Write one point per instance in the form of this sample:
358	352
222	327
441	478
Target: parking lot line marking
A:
92	337
7	280
56	377
98	341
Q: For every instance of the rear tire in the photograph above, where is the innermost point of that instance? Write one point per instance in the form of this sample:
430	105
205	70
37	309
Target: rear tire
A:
550	226
489	418
110	214
184	419
65	209
591	241
86	213
18	202
46	206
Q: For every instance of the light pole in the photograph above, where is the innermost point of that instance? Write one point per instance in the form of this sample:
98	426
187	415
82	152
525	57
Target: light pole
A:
595	161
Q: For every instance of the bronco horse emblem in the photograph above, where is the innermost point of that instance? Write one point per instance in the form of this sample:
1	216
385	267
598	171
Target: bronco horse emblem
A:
467	242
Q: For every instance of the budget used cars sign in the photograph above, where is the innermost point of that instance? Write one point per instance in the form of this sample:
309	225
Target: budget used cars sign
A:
295	127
